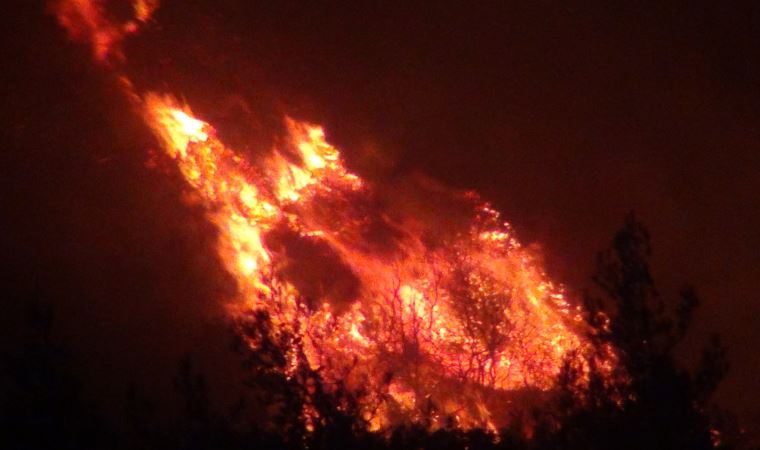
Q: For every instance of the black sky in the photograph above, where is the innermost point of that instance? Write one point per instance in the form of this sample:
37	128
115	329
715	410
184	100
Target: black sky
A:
565	117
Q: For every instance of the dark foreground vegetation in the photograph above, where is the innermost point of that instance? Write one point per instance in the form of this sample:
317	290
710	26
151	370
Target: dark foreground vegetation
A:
657	406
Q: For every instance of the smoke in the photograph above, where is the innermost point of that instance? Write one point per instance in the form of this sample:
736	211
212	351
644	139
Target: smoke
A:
314	269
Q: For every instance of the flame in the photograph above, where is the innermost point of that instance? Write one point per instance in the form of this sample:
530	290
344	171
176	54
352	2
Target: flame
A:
427	322
87	21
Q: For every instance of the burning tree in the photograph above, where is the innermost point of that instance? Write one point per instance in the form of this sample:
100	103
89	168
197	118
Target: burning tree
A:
436	324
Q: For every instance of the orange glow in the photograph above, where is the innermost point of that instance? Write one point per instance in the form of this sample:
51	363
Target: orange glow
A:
87	21
480	311
456	325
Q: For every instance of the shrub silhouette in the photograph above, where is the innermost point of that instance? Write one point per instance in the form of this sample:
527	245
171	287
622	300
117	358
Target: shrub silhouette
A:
650	403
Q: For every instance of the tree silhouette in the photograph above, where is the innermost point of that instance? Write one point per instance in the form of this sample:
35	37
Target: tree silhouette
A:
645	401
651	402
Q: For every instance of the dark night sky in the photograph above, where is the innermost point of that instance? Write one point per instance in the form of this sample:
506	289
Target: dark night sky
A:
565	117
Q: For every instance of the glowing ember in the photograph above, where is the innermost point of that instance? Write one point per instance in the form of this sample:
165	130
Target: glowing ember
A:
421	319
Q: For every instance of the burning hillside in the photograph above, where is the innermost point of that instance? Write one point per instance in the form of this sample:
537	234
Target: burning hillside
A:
444	322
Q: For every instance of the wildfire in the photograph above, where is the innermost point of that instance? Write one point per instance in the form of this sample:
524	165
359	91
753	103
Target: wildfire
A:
442	323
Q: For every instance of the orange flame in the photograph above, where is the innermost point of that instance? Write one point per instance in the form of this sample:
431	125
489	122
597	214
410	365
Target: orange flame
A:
450	327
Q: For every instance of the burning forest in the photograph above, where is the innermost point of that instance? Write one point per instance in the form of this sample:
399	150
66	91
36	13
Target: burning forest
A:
449	321
409	308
